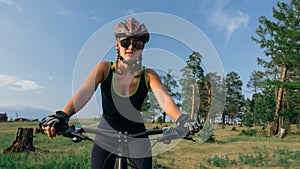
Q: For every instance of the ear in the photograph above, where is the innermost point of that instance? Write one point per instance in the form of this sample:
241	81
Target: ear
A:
117	45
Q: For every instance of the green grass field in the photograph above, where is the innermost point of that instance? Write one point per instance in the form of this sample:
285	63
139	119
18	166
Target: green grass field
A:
231	150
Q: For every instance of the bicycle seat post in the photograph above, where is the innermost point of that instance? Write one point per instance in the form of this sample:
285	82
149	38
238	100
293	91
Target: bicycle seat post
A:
125	137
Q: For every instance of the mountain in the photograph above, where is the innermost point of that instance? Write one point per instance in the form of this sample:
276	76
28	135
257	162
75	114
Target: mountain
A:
14	112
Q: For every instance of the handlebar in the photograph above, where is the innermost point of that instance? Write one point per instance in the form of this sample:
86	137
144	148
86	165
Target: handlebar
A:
169	134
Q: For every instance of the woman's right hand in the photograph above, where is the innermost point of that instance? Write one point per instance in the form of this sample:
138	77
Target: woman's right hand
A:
50	131
55	124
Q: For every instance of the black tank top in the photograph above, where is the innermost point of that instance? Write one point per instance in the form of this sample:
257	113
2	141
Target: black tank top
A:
123	113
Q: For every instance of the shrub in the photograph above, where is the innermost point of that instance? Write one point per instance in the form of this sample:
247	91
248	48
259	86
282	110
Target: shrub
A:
260	159
207	134
249	132
221	161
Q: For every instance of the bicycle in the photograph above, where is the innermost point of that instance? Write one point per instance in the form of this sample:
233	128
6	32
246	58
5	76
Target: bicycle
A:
168	134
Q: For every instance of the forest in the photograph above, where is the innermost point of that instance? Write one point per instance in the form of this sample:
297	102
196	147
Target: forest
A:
275	101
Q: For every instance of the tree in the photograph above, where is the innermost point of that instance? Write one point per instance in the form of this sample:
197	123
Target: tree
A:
234	97
215	87
264	106
150	108
280	39
256	81
193	87
172	88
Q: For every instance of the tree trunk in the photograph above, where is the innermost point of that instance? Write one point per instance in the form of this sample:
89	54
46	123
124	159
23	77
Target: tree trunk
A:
223	118
279	97
23	141
193	101
164	117
209	96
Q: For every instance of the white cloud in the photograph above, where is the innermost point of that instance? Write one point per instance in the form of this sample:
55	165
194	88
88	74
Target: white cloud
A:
94	18
62	11
229	21
17	84
7	2
18	6
130	11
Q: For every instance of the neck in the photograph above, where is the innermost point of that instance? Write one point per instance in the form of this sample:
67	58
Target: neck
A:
126	61
125	68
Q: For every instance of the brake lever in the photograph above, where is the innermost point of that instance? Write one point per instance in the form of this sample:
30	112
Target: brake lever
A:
75	134
69	132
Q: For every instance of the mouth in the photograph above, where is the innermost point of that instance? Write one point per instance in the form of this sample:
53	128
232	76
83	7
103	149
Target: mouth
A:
129	53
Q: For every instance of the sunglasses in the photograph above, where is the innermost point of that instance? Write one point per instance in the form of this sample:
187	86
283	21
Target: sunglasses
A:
136	43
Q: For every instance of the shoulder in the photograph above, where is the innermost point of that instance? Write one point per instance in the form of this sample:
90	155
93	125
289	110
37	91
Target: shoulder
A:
104	64
152	75
150	72
102	69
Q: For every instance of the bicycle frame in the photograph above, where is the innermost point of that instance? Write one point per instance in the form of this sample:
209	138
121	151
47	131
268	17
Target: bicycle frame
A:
123	139
121	161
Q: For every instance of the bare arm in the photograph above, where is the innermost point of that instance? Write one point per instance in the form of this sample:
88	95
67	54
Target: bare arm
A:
83	95
163	98
86	91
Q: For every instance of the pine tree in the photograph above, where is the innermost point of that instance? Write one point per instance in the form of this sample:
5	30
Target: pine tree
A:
280	39
171	86
234	97
193	87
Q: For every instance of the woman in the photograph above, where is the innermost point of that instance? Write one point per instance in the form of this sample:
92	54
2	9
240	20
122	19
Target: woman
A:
124	86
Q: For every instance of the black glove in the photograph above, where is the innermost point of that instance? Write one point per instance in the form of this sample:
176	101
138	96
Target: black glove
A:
59	121
185	121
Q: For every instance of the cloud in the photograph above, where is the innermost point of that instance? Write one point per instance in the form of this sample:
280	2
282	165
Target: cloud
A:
63	11
229	21
94	18
18	6
7	2
17	84
130	11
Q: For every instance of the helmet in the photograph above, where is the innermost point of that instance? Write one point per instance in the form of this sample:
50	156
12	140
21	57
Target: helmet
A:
132	28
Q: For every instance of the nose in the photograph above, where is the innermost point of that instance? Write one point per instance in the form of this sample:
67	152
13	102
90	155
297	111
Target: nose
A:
131	45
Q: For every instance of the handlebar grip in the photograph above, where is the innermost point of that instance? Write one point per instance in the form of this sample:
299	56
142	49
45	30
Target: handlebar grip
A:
170	134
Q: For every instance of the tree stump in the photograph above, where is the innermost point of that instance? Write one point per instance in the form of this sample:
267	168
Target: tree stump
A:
282	133
23	141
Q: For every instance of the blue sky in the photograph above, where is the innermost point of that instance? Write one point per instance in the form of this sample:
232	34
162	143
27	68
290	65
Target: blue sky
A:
41	41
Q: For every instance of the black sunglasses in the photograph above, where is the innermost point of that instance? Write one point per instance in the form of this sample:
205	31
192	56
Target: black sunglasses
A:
136	43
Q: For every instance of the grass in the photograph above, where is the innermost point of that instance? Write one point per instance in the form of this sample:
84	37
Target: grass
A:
231	150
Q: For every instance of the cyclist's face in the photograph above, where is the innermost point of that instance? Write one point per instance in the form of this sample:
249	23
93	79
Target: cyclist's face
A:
130	49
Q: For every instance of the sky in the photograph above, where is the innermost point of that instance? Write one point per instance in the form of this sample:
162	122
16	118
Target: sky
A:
44	44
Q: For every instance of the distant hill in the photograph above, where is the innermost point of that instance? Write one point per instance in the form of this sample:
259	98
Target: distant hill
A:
25	112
